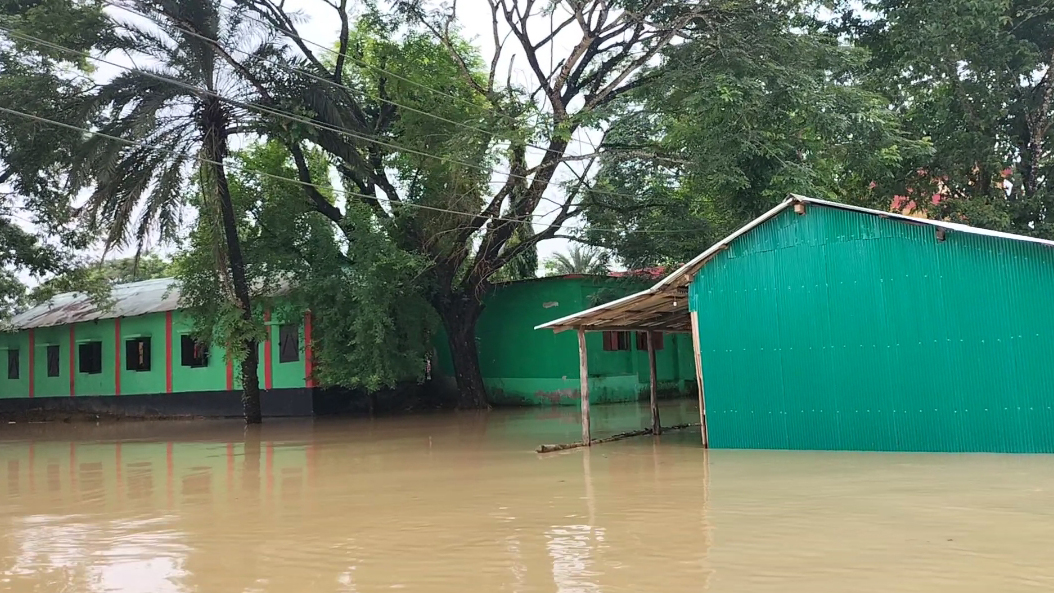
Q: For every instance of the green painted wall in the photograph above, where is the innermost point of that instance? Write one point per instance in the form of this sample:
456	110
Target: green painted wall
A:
51	386
843	330
524	366
144	382
14	387
95	383
184	379
208	378
286	374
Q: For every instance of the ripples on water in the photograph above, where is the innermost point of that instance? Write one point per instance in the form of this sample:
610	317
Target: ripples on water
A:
460	503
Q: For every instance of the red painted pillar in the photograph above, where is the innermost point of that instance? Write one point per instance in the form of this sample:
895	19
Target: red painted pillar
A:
308	362
73	466
267	352
230	373
117	467
169	471
117	356
32	463
270	469
32	360
73	361
168	351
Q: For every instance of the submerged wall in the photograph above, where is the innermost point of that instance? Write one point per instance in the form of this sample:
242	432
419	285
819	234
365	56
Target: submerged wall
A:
844	330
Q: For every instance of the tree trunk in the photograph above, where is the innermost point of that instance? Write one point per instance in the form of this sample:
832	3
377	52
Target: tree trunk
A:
215	119
459	321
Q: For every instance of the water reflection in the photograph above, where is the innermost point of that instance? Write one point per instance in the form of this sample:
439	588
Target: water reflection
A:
459	502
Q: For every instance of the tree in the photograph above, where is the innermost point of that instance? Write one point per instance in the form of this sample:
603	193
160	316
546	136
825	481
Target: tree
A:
36	229
415	121
762	106
176	127
976	77
372	328
579	259
95	280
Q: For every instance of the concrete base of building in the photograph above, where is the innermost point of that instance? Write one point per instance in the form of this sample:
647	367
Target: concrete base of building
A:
204	404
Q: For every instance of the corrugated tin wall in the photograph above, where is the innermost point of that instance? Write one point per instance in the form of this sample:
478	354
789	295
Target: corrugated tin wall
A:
843	330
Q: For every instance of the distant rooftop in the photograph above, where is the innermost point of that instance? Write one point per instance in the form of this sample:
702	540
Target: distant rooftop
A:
135	298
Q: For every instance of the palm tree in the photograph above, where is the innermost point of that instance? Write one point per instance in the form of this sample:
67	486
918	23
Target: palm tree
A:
579	259
177	127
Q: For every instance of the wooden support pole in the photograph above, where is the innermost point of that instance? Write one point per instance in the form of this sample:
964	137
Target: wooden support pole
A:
698	354
583	373
656	428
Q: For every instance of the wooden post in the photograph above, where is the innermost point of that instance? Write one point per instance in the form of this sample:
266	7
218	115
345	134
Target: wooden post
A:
583	373
699	378
656	428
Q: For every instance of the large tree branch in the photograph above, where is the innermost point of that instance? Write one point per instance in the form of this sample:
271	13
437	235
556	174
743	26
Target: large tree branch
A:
277	17
318	201
342	42
515	178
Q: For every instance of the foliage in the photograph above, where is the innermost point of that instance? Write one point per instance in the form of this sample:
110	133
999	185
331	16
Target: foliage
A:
418	125
579	259
976	77
764	107
96	279
36	227
523	265
371	329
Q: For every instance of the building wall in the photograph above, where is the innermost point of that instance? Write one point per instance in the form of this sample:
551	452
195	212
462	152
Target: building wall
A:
113	334
843	330
524	366
143	382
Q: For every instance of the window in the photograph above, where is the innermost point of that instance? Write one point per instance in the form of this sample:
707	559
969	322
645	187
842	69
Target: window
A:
12	363
194	353
616	341
642	341
90	354
53	361
289	342
137	354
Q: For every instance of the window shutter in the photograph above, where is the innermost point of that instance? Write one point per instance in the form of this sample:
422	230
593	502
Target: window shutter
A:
53	361
144	354
12	364
288	343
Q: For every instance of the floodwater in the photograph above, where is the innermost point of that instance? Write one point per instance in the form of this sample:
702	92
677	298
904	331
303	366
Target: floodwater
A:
459	502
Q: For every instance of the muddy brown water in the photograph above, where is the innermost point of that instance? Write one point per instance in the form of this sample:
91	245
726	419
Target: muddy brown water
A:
461	503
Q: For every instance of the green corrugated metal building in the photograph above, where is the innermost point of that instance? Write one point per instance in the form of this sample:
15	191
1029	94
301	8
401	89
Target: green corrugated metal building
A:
826	326
523	367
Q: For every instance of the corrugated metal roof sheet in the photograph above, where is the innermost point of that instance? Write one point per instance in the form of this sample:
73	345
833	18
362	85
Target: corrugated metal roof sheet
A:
134	298
663	306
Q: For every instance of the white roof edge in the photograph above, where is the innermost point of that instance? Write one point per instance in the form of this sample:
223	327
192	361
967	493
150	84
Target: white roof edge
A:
690	267
686	268
618	301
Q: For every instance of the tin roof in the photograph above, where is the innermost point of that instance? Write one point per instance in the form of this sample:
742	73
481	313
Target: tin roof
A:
134	298
664	306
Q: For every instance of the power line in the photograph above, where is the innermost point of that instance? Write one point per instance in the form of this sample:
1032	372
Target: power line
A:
376	68
344	192
263	109
333	83
284	114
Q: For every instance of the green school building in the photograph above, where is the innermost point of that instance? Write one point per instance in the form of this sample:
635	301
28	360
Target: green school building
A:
823	326
137	357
